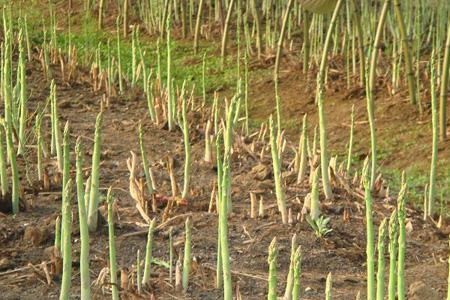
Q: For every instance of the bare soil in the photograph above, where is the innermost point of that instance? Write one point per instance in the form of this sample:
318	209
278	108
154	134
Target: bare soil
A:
25	238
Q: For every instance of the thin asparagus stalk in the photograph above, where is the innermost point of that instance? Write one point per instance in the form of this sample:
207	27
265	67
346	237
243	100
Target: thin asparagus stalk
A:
228	147
290	278
150	100
371	87
296	289
448	280
3	174
56	130
350	143
183	18
320	98
148	253
246	124
223	225
39	146
252	205
138	272
6	84
58	233
272	260
360	37
100	14
187	150
170	255
187	255
125	18
203	78
178	275
66	241
27	39
112	247
303	153
223	51
435	135
281	39
219	265
279	190
84	231
261	208
158	63
87	191
119	57
109	69
278	113
444	88
216	113
170	108
66	171
370	249
313	151
315	204
148	180
23	95
328	287
306	41
94	196
381	262
197	25
134	46
208	140
14	171
393	235
238	43
401	243
406	52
